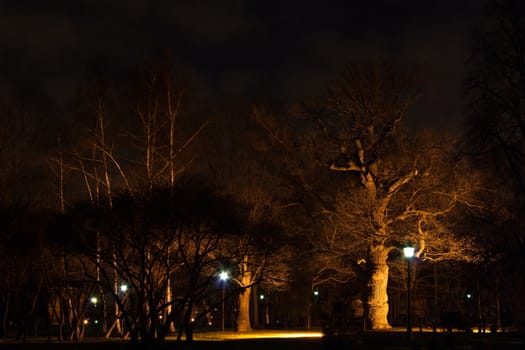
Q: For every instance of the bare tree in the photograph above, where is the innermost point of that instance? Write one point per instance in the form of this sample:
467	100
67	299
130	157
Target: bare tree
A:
400	186
149	238
111	158
494	139
22	215
238	167
495	89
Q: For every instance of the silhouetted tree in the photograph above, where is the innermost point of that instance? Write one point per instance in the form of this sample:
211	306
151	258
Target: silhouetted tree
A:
147	238
23	265
247	174
24	195
495	142
117	153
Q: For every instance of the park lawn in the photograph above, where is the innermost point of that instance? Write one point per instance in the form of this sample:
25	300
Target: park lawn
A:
366	341
248	344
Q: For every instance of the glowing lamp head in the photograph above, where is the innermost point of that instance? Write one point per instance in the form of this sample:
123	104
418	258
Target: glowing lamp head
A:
224	276
124	288
409	252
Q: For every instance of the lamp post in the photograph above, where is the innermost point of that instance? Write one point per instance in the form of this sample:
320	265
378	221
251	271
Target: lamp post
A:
223	276
262	299
409	254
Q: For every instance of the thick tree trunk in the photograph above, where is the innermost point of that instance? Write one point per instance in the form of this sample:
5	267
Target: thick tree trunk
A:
245	281
243	320
377	285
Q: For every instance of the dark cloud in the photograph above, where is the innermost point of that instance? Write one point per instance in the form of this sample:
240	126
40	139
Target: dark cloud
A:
239	48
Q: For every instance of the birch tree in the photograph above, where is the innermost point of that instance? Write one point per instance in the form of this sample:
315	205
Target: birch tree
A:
139	141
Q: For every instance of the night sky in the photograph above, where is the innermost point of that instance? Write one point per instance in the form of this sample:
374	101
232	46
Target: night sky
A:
240	49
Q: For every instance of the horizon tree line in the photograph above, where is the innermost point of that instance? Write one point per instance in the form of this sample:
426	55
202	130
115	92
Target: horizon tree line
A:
151	190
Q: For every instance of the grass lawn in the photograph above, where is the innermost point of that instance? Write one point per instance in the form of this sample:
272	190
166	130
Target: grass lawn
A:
271	340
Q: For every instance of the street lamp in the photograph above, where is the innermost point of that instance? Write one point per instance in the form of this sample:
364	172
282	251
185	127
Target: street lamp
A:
409	254
223	276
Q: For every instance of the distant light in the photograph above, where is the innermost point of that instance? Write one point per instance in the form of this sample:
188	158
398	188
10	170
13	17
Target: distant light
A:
124	288
316	292
469	296
96	321
261	296
224	276
409	252
86	321
94	300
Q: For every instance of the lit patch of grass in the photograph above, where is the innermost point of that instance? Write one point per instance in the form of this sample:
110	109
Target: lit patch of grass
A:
259	334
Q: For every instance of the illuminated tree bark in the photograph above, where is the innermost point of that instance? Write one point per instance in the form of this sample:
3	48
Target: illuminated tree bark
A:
243	319
245	280
261	260
399	185
378	297
377	201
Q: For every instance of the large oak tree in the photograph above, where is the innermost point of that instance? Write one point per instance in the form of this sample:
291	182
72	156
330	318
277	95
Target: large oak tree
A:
399	186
